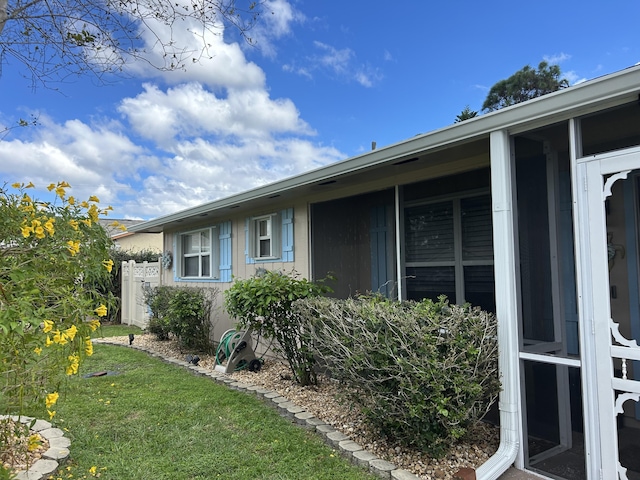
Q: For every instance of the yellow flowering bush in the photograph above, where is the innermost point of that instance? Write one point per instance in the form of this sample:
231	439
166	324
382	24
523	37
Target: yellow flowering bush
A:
53	256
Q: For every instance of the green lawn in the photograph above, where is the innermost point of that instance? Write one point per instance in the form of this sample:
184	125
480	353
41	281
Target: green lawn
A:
153	420
116	330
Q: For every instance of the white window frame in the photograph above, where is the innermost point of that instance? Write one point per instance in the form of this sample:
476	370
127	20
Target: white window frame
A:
213	253
273	235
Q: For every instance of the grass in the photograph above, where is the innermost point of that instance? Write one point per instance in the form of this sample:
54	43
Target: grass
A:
116	330
153	420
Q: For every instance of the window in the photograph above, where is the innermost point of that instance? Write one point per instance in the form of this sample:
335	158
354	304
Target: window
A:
449	250
264	238
270	237
196	254
204	254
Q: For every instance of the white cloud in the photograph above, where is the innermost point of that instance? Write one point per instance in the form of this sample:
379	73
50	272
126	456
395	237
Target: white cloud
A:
556	58
275	22
188	110
337	62
213	131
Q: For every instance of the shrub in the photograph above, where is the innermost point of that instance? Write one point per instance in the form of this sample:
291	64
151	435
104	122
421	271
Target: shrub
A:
52	255
157	299
421	372
263	303
184	312
189	316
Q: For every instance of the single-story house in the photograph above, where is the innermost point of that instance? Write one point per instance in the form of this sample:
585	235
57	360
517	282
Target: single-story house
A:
125	240
532	212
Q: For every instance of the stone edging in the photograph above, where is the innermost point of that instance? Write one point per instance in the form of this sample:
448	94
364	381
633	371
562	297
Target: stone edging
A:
58	448
338	440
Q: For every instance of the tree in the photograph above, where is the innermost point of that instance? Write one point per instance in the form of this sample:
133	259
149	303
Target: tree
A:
466	114
524	85
54	39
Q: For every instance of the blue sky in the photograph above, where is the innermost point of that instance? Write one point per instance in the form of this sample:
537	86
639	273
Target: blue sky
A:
325	80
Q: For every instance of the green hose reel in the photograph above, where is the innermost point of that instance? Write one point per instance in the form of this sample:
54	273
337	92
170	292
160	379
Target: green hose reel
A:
236	349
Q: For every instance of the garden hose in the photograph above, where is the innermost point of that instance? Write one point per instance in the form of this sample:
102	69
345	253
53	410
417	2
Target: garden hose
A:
230	343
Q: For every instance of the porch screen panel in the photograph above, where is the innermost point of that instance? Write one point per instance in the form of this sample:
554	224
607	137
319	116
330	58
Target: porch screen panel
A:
429	233
477	231
479	287
431	282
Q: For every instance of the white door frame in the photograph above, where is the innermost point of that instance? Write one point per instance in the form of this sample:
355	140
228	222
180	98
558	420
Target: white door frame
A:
593	177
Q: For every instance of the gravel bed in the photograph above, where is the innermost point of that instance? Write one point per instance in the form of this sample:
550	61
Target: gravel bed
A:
323	402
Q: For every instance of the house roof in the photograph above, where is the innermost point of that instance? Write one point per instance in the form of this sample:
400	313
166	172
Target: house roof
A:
466	138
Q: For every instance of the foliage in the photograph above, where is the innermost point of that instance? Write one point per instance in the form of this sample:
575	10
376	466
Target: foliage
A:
421	372
52	254
57	38
157	299
524	85
263	303
466	114
184	312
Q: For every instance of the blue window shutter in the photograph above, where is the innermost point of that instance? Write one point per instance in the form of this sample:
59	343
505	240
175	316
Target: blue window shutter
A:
247	233
287	235
378	236
225	251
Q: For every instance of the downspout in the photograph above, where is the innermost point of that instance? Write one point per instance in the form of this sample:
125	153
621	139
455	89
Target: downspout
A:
399	274
505	266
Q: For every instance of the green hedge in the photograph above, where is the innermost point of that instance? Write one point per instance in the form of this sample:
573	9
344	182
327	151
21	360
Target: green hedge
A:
184	312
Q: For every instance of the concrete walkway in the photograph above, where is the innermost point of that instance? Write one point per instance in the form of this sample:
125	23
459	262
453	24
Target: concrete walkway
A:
514	474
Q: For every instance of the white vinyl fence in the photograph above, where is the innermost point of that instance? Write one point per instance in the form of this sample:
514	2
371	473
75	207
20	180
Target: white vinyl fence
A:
135	277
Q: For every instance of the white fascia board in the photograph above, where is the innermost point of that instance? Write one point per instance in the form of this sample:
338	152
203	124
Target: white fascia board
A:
563	104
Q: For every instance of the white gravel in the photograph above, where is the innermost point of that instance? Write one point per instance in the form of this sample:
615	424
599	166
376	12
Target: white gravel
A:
323	402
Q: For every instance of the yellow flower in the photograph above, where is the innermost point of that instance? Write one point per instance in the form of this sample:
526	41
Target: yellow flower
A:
60	191
26	231
64	184
48	226
51	399
34	443
94	213
70	332
94	324
48	326
71	200
93	198
37	350
108	264
101	311
86	221
74	224
73	247
74	362
16	185
51	414
59	338
48	341
93	470
51	186
88	347
39	231
84	204
31	185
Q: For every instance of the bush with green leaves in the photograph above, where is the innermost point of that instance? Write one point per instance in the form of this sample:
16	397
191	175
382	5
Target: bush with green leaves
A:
157	299
263	303
52	255
184	312
421	372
